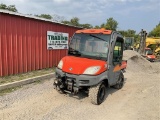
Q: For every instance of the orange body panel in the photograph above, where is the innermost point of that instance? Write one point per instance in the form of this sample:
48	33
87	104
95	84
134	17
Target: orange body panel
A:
120	67
98	31
117	68
77	65
124	64
151	56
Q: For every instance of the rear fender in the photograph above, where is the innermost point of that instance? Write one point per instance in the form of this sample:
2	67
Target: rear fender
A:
123	64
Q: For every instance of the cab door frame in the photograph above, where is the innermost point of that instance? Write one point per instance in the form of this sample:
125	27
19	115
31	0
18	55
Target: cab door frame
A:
114	69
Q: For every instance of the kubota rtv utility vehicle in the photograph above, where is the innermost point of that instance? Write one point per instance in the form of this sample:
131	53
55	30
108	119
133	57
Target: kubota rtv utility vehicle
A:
94	62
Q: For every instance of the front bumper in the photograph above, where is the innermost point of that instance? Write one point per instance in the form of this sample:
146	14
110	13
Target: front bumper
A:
81	80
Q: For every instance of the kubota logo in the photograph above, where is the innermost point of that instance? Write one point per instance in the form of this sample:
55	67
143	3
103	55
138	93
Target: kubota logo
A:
70	69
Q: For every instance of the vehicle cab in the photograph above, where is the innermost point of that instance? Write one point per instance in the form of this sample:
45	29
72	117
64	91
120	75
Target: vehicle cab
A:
149	55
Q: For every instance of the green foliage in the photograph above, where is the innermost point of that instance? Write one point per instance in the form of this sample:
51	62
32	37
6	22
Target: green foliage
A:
87	26
155	32
130	33
3	6
10	7
75	21
102	25
97	27
46	16
111	24
66	22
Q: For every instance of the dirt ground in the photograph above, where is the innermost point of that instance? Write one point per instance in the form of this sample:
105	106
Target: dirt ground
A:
139	99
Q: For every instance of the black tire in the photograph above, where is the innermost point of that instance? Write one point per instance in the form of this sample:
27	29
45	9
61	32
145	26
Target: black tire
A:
120	82
97	93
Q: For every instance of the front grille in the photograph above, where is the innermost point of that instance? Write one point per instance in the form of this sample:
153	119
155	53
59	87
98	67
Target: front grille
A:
84	81
71	79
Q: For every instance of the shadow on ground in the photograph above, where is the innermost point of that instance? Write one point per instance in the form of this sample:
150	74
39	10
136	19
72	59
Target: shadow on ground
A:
83	94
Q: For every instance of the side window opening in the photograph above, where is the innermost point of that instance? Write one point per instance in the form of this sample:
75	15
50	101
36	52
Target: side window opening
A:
118	51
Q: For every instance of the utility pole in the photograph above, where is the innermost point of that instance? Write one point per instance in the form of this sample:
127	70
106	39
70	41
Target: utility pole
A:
142	42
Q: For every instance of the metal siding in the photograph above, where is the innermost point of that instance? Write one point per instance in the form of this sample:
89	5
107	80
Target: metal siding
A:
23	44
9	47
4	49
37	47
0	48
24	37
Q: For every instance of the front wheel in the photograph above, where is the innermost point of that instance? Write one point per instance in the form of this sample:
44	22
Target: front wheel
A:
97	93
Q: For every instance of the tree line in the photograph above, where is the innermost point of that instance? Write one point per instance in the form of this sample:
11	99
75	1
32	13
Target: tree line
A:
9	7
110	24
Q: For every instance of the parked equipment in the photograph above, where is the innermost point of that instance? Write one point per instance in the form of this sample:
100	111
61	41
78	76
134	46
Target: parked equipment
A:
128	43
154	44
149	55
94	62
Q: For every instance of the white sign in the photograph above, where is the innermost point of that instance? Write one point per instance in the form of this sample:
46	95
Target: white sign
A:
57	40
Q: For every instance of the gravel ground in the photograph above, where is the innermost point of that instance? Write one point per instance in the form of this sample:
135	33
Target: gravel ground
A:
139	99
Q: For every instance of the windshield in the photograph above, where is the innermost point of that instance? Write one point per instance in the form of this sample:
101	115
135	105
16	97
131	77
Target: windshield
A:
149	52
93	46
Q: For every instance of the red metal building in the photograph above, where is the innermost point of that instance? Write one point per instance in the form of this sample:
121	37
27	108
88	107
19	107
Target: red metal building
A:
23	43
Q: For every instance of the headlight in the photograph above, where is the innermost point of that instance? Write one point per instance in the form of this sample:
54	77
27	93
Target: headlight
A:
92	70
60	64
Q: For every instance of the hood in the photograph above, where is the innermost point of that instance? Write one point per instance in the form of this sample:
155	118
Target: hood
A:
77	65
151	56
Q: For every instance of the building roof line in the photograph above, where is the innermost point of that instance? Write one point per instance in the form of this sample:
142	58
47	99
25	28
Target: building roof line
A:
34	17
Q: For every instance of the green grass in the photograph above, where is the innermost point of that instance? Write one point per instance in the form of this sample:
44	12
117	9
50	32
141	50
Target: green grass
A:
18	77
5	91
9	90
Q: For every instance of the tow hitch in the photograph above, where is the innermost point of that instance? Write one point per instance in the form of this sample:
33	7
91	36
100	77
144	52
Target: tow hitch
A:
67	85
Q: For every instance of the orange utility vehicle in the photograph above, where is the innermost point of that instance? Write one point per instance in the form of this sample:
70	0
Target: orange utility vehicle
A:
94	62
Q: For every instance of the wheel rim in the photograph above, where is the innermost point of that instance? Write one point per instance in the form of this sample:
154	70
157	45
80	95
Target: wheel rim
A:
121	82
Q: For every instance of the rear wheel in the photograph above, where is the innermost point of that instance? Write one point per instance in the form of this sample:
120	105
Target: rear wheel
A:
97	93
120	82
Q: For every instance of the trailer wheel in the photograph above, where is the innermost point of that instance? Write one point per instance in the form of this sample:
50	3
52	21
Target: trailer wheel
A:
97	93
120	82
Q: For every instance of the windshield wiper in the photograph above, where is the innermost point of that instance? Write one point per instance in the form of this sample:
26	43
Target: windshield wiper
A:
97	37
94	57
74	52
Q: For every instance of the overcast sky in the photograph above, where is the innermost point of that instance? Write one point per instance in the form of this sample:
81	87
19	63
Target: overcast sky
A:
130	14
